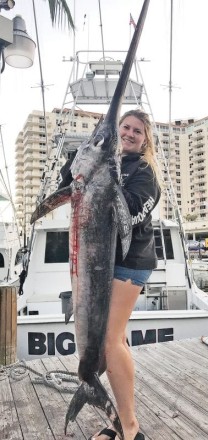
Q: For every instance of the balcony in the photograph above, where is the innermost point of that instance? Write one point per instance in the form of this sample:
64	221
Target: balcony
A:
28	165
198	155
28	140
19	163
18	200
198	135
197	164
18	176
31	148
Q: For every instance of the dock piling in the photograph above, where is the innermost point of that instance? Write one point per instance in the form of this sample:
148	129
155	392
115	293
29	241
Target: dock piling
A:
8	325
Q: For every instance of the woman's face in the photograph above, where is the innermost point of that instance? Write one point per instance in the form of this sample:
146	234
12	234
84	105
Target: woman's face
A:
132	135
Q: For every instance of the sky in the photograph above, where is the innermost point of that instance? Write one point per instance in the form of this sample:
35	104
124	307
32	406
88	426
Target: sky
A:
19	88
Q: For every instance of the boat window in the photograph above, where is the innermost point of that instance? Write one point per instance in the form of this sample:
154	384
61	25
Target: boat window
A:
1	260
18	258
57	247
168	244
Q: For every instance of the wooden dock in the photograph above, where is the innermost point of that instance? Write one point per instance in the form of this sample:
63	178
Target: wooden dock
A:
171	397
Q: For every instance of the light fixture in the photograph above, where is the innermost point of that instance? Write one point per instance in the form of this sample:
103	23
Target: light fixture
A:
21	52
6	4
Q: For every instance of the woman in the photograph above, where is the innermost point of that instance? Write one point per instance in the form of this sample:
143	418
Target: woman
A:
142	193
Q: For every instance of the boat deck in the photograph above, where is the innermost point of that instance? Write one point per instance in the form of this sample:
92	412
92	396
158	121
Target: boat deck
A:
171	397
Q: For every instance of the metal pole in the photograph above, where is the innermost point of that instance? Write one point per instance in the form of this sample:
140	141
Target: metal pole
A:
170	91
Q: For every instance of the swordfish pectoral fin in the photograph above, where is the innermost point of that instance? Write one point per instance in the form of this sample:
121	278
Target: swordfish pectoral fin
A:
94	394
124	220
58	198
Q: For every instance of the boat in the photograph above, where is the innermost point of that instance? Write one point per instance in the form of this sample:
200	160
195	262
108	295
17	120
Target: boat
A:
199	264
170	306
10	255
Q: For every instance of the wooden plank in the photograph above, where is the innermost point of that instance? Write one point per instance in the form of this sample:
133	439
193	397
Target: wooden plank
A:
162	407
32	420
195	351
195	344
179	379
173	389
9	423
177	422
52	402
179	357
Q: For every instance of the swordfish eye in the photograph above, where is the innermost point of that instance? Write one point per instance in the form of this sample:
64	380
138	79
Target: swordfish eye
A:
98	141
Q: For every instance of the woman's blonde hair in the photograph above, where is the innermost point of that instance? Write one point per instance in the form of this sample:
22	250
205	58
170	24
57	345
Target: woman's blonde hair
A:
148	149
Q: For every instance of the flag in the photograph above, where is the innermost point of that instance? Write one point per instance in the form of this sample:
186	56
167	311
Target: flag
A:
131	21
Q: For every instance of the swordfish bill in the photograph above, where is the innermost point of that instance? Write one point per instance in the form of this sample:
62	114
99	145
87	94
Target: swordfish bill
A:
116	102
99	213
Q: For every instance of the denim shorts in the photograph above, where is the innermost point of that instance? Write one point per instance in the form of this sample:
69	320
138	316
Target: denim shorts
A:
138	277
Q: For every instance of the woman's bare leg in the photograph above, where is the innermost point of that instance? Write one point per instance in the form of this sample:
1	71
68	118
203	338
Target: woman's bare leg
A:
120	366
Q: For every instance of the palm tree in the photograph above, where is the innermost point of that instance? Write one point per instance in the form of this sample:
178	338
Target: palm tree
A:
59	10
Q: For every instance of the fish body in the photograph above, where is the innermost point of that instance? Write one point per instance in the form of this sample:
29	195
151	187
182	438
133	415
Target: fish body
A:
99	213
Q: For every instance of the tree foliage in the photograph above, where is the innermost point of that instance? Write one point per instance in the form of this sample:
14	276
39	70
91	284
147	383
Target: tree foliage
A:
190	217
60	12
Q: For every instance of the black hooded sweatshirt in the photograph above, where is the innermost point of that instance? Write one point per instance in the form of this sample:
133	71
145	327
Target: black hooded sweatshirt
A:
142	193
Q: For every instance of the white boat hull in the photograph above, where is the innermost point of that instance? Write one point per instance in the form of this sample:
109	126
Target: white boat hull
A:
48	335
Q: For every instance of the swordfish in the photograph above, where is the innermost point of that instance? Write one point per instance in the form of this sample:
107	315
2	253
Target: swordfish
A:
99	213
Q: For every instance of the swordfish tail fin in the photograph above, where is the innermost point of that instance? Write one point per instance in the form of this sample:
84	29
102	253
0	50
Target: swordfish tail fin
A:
58	198
94	394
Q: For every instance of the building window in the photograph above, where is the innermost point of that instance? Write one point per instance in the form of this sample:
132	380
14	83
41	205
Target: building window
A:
84	125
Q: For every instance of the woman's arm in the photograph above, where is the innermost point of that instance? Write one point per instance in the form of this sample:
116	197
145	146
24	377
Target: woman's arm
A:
141	192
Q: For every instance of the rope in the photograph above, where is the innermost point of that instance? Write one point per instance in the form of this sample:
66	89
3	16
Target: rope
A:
54	378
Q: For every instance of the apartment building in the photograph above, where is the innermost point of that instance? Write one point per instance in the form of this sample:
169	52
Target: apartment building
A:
185	148
35	153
